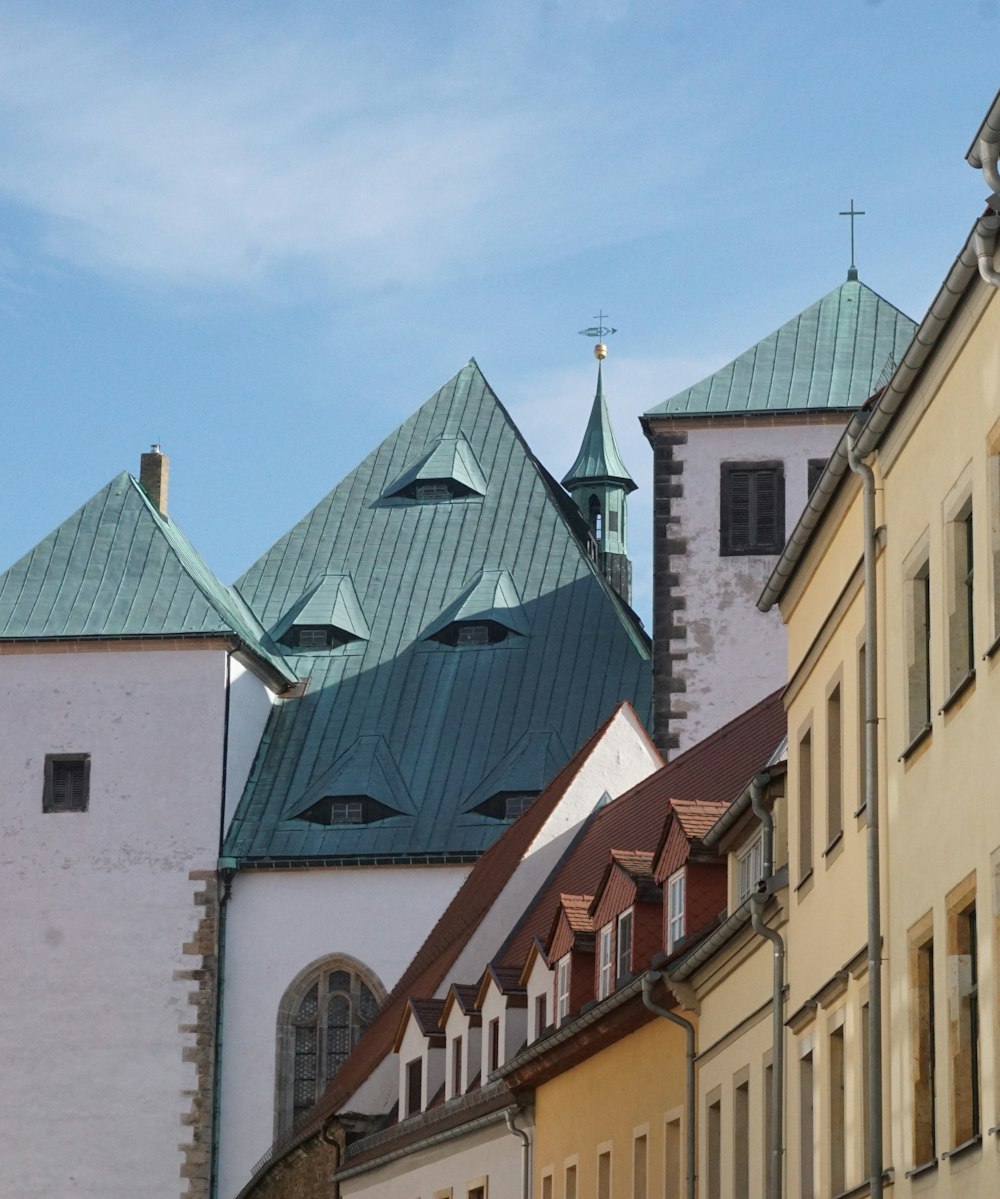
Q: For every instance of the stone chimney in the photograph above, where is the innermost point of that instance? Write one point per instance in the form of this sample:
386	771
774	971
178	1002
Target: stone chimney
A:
154	475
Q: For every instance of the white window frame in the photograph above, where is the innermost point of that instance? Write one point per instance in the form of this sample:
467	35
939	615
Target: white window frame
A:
606	973
675	909
749	867
562	988
623	944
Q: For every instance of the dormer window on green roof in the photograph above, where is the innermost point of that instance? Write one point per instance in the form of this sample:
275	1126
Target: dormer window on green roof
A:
448	470
326	616
347	809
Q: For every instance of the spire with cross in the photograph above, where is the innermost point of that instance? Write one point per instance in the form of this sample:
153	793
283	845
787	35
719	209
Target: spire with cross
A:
852	212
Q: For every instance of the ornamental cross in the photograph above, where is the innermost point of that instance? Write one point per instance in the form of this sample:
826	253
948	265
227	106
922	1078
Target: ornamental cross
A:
599	330
853	212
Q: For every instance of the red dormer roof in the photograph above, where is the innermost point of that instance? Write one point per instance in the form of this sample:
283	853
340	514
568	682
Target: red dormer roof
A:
571	926
535	950
628	879
715	771
464	995
427	1014
507	980
685	826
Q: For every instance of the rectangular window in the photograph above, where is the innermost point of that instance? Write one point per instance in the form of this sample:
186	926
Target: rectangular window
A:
604	1175
605	979
562	989
639	1165
805	807
837	1112
815	472
541	1015
624	947
834	757
749	868
570	1182
961	652
495	1044
963	985
806	1124
546	1186
456	1066
675	910
741	1139
67	783
768	1157
752	508
672	1182
924	1090
347	811
713	1147
918	665
866	1151
414	1085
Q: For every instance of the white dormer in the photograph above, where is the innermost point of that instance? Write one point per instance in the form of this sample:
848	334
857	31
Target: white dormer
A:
420	1046
537	979
462	1026
503	1004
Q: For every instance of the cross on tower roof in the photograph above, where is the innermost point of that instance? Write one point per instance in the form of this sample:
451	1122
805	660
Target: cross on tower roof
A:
853	212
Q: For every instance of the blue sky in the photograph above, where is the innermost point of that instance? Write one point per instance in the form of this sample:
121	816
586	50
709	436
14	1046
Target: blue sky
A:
262	234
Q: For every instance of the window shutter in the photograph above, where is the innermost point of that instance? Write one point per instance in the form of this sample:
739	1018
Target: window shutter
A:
765	508
740	527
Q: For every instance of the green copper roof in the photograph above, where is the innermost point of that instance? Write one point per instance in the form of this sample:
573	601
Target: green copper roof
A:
118	568
425	728
832	355
328	600
599	458
451	458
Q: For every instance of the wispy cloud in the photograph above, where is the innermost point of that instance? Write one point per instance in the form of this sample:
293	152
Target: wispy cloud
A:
260	149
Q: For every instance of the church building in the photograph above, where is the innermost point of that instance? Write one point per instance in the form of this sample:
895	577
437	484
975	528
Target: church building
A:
230	813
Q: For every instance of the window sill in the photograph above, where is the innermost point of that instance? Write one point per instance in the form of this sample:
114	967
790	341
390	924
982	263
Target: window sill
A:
992	650
923	1168
965	1147
804	880
828	852
864	1188
958	692
862	811
917	741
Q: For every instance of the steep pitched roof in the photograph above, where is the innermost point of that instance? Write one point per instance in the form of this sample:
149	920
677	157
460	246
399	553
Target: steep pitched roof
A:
119	568
471	905
715	770
830	356
697	818
448	714
599	457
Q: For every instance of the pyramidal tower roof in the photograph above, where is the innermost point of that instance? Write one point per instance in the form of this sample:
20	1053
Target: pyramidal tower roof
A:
830	356
474	585
120	568
599	458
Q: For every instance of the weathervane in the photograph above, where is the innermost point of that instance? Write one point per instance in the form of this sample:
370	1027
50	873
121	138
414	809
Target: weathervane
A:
600	331
852	212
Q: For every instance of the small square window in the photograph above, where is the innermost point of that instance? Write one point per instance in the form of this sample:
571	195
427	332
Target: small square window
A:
67	783
347	811
752	512
473	634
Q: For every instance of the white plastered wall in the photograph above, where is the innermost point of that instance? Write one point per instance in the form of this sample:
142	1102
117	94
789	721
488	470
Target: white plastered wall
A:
735	653
97	907
278	923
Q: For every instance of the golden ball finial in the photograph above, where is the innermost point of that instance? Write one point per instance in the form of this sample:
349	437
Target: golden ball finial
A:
600	351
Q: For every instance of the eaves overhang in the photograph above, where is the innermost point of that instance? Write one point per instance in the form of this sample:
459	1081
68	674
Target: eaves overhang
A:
868	432
988	131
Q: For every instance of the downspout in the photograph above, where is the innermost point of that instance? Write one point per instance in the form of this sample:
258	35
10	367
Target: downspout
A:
338	1155
987	226
757	903
648	982
872	812
525	1151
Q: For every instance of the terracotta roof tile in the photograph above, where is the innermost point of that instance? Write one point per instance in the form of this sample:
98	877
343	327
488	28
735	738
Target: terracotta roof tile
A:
636	863
714	771
697	818
577	909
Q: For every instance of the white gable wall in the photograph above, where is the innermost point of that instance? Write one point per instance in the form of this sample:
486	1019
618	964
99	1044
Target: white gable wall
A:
249	707
98	907
277	924
623	757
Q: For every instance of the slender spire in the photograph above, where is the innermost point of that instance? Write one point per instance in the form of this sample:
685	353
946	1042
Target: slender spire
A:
599	459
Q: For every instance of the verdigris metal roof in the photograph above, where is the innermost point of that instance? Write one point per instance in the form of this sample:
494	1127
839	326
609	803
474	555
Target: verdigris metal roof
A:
599	457
119	568
830	356
436	728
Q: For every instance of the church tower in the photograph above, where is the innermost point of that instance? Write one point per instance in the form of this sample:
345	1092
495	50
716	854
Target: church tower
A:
599	483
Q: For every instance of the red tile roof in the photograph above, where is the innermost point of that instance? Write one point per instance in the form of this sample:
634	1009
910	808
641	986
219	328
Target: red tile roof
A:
714	771
636	863
577	909
697	818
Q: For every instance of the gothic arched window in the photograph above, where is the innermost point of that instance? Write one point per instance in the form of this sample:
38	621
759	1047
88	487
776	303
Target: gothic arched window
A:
320	1018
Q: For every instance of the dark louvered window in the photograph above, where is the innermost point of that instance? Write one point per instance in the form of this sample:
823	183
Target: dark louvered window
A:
752	508
815	473
67	783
